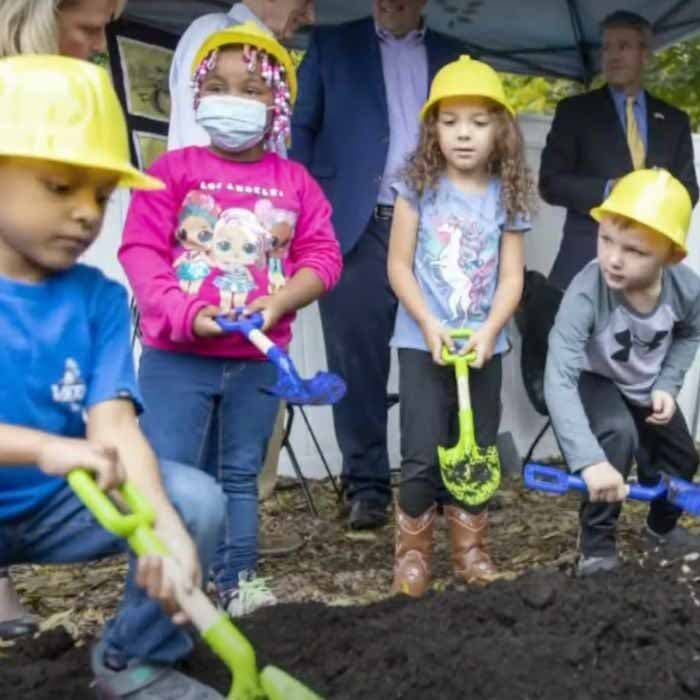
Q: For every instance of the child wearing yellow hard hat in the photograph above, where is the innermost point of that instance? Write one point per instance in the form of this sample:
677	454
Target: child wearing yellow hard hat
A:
70	393
625	336
455	262
238	229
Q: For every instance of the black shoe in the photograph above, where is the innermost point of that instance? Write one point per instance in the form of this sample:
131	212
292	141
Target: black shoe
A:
366	515
677	542
25	626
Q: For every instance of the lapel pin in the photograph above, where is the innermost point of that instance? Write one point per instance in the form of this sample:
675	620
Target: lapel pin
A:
659	115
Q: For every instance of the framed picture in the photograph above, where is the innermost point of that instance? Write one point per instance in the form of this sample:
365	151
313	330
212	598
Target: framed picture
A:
145	69
139	60
148	147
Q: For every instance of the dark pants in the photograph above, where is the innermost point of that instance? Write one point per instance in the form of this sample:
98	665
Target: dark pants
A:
622	432
358	321
577	249
429	417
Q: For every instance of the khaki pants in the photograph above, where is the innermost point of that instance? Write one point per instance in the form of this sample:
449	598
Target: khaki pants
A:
268	476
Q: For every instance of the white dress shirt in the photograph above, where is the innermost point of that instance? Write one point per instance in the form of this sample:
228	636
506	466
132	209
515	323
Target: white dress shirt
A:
184	130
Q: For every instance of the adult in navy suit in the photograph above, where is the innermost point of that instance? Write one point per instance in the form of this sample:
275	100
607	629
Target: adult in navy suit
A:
361	87
590	144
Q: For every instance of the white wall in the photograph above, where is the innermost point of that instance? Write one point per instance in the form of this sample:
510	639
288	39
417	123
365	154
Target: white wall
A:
308	352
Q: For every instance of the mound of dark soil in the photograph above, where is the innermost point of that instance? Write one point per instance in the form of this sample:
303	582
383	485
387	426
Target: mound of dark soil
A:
632	634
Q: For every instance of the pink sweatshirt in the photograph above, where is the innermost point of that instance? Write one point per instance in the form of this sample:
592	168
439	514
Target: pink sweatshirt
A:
222	233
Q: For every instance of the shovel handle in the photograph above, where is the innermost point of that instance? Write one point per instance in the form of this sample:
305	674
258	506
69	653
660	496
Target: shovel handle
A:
552	480
105	511
240	324
451	358
250	327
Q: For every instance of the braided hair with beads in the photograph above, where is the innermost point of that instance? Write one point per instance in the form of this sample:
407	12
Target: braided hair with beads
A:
275	78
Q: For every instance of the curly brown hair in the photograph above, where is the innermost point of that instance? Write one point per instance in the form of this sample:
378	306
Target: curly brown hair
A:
427	163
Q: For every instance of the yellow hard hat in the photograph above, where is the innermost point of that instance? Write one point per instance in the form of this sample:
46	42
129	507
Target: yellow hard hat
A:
466	77
65	110
249	33
653	198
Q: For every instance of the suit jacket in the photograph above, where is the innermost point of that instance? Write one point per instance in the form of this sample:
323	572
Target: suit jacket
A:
586	147
340	125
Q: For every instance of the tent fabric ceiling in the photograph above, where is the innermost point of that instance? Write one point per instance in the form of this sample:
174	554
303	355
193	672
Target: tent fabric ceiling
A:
541	37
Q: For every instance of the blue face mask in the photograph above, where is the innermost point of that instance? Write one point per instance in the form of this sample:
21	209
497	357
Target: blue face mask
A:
234	124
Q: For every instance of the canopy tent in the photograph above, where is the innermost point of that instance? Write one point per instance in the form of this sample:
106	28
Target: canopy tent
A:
541	37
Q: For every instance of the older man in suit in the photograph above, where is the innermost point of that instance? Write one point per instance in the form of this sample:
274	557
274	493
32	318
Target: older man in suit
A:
600	136
362	85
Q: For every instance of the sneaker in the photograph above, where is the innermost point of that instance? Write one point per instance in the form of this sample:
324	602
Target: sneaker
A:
677	541
587	566
252	593
139	681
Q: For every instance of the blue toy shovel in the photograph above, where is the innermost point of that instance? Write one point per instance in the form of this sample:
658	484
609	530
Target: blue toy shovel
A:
322	389
683	494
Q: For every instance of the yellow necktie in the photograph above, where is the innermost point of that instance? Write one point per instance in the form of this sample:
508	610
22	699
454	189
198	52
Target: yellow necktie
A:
634	138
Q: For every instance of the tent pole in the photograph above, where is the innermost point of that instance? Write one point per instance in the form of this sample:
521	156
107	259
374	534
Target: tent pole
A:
681	4
578	39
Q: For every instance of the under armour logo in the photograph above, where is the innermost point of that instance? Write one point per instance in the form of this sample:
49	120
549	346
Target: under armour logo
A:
626	340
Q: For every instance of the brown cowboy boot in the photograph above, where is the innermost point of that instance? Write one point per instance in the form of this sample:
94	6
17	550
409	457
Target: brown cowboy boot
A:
414	550
469	554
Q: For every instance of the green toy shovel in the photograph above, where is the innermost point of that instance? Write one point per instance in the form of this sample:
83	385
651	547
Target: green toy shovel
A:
216	628
470	473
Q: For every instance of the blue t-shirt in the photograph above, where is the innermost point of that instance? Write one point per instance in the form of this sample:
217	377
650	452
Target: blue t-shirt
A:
64	347
456	259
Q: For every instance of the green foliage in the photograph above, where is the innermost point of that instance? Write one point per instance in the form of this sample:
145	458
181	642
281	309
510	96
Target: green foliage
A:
672	75
536	94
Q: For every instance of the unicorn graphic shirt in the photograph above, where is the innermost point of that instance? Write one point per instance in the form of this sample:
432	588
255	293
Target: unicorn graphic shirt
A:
456	259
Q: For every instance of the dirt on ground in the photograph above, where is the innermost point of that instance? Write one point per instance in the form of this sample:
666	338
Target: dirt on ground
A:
538	633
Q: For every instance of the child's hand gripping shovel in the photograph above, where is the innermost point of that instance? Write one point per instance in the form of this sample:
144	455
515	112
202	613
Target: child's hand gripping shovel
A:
216	628
681	493
322	389
471	473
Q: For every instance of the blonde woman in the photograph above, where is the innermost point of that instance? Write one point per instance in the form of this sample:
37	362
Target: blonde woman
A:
69	27
72	28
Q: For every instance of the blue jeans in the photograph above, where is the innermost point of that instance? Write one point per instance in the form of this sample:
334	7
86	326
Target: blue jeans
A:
64	532
182	394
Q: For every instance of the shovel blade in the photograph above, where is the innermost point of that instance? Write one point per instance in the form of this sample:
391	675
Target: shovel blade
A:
684	494
323	389
279	685
472	478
